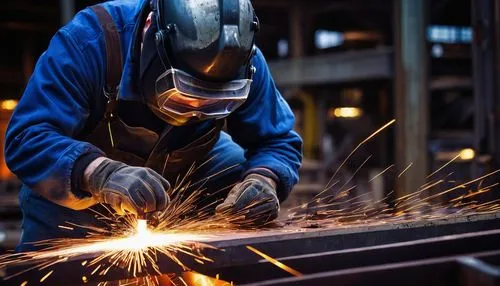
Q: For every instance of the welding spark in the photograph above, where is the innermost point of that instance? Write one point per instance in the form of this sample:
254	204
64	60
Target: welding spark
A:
138	242
128	243
338	207
275	262
135	253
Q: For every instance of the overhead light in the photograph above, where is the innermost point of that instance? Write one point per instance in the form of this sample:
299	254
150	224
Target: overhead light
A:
345	112
325	39
283	48
467	154
462	155
437	50
8	104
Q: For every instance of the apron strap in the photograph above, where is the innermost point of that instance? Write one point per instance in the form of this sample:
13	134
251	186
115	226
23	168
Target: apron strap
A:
114	65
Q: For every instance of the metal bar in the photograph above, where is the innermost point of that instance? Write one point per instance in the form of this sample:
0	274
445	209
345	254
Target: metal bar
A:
411	86
362	257
281	243
435	271
475	272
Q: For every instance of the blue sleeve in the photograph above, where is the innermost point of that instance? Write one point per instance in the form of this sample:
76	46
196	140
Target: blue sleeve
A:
54	108
263	126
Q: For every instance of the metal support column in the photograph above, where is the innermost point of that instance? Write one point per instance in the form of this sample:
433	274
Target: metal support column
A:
411	93
296	23
484	78
297	32
67	10
496	107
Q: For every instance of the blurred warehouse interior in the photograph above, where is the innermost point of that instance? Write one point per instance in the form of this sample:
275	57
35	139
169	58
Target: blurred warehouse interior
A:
346	67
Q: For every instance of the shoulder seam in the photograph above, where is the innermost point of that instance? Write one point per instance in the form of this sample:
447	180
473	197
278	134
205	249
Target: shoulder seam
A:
83	45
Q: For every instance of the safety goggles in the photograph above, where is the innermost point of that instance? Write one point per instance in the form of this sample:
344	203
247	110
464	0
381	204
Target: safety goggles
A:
179	94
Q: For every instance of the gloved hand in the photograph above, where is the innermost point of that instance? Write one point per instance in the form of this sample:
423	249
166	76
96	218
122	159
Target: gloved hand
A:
255	198
128	189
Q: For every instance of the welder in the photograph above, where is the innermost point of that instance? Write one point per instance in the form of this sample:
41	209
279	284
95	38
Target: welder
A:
129	96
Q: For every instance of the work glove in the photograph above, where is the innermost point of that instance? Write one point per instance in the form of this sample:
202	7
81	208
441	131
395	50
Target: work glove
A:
128	189
254	198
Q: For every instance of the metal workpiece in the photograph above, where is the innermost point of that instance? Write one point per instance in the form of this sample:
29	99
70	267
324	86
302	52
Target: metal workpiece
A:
460	244
290	240
435	271
310	251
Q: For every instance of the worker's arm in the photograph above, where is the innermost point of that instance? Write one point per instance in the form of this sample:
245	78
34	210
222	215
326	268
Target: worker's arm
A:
54	108
40	145
263	126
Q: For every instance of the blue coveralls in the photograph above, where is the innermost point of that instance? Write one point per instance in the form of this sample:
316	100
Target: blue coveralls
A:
44	139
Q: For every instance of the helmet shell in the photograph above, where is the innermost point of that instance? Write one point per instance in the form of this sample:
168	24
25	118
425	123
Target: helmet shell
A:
210	39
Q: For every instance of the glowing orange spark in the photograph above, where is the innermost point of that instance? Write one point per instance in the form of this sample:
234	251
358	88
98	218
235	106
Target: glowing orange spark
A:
275	262
46	276
444	166
406	169
197	279
381	173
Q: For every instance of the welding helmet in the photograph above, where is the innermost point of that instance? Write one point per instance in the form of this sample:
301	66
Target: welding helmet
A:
205	49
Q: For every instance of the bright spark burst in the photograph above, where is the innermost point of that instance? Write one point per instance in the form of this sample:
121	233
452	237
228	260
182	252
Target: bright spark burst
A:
130	244
135	253
134	243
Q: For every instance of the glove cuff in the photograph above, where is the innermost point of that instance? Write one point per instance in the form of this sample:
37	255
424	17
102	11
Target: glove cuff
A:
263	172
100	175
77	174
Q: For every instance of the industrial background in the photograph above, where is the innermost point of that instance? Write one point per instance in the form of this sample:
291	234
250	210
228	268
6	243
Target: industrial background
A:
346	67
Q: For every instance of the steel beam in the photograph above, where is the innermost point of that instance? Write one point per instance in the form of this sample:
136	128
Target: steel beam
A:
333	68
281	242
460	244
411	94
431	272
419	257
